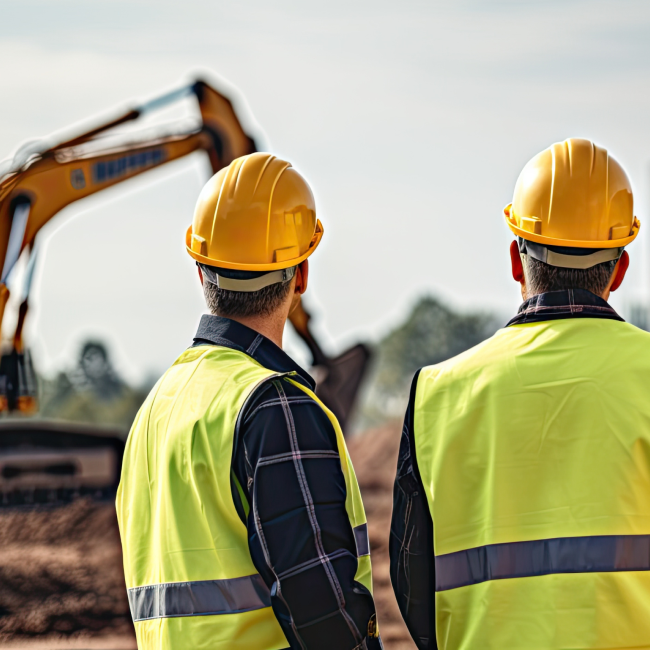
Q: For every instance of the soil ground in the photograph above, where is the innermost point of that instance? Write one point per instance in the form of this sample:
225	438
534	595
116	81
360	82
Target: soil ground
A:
61	581
374	455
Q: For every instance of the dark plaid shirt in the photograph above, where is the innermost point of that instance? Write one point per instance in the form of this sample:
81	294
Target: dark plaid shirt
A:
412	560
286	459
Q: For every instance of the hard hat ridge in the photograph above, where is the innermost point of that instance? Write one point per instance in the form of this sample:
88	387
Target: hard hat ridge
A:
253	178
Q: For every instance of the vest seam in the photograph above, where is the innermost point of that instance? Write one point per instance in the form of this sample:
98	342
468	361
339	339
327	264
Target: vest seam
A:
238	422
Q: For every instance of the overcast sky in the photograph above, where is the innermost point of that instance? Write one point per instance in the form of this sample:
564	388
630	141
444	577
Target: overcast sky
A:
411	120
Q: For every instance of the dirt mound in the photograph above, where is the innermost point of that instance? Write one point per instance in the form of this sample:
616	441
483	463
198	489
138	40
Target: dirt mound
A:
61	580
374	455
61	574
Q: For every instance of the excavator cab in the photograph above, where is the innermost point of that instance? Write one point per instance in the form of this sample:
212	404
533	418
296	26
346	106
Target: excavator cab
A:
338	379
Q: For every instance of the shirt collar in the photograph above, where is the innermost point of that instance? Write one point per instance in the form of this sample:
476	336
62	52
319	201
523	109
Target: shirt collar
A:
217	330
568	303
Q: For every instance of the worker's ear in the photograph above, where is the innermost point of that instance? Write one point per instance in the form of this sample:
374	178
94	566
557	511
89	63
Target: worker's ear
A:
620	271
302	277
200	274
517	266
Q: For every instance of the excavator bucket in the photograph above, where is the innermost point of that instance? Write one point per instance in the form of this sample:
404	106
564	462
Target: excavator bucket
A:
341	380
338	379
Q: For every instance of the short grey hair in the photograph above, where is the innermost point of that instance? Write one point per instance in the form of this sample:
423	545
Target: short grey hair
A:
541	277
233	304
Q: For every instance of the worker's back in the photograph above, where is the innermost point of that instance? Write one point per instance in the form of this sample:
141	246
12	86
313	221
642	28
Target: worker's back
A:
240	515
185	547
534	452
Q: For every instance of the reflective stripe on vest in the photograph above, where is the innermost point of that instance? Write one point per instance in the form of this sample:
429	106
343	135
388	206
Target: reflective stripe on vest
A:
543	557
534	454
211	597
199	598
361	539
190	578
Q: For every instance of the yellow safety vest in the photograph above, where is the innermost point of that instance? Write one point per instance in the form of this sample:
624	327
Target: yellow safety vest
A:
189	574
534	453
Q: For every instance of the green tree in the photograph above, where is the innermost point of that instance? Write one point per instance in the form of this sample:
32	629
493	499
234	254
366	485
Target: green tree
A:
432	333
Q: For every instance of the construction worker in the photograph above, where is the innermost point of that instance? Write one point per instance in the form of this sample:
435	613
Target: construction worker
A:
522	500
241	520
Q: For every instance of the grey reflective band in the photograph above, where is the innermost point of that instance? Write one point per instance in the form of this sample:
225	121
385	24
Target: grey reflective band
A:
573	261
582	261
252	284
198	598
601	554
361	538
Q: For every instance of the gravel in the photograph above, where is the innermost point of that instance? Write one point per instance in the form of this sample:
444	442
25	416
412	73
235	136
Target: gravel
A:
61	580
61	577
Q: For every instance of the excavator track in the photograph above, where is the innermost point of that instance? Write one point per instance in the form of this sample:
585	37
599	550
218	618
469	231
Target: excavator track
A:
53	462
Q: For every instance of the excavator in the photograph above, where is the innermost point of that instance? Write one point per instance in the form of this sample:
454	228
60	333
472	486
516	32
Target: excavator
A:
44	461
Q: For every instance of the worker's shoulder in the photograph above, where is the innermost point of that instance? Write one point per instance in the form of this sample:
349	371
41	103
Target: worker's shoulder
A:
204	373
496	346
210	353
576	338
281	385
236	367
623	329
628	343
233	364
283	391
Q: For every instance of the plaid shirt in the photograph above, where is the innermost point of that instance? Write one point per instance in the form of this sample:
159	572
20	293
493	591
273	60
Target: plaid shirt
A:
412	560
286	459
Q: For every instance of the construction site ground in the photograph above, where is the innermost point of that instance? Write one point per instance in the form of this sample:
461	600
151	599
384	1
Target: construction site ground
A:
61	581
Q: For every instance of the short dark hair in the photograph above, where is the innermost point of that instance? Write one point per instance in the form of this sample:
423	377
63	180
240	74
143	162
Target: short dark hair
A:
542	277
222	302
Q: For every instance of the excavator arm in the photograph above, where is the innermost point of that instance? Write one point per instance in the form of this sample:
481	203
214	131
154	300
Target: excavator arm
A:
33	197
41	180
37	186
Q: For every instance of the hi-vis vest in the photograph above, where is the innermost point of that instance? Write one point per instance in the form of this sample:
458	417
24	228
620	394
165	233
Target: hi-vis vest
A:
534	452
189	574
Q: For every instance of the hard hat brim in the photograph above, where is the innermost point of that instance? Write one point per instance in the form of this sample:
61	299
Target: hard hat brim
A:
274	266
571	243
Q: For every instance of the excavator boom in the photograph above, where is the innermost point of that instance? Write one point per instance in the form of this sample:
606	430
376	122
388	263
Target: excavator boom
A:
42	179
38	185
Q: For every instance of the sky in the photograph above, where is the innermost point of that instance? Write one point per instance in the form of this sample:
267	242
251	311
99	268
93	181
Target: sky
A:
410	120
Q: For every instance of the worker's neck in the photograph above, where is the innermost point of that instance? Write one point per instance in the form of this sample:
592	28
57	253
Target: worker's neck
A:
271	326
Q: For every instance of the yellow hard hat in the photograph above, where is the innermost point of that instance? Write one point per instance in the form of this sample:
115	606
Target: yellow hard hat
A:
258	214
574	195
